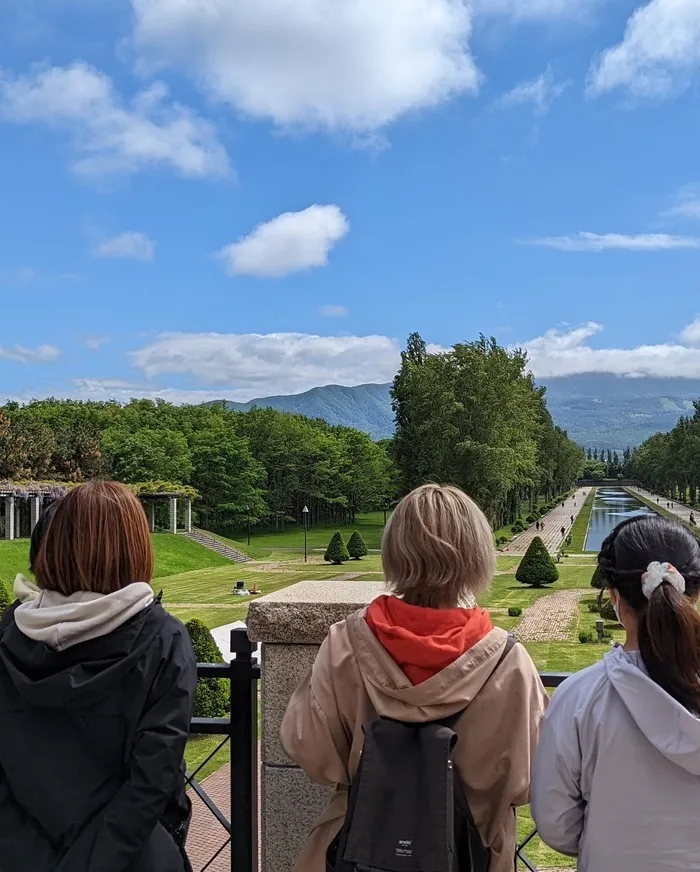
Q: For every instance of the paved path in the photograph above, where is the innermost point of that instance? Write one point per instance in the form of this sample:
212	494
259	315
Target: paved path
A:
549	618
553	522
679	510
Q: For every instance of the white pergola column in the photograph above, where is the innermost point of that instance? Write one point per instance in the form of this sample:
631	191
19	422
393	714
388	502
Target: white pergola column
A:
188	516
9	517
151	516
34	512
173	515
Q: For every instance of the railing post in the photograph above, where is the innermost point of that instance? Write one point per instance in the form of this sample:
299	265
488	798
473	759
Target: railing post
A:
244	756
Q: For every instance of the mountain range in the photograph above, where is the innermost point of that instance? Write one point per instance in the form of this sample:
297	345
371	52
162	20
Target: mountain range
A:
597	410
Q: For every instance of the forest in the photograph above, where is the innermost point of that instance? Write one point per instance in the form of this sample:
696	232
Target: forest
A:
669	463
472	416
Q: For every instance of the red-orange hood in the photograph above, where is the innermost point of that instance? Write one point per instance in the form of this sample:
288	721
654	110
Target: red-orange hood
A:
421	641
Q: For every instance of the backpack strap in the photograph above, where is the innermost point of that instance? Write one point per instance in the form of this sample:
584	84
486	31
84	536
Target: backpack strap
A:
451	722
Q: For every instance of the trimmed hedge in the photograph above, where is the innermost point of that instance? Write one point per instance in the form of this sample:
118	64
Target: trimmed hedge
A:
336	552
537	568
356	546
213	695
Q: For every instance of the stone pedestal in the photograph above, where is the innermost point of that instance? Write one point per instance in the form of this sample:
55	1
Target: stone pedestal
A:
173	515
291	624
34	512
188	516
151	513
9	517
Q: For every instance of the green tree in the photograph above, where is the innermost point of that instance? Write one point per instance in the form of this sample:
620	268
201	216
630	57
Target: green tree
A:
212	697
147	454
356	546
537	568
336	552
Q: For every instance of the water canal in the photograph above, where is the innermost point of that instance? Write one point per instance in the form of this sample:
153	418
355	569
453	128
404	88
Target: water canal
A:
610	506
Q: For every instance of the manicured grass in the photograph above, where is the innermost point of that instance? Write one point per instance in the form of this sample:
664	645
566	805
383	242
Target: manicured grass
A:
263	542
199	748
14	558
580	529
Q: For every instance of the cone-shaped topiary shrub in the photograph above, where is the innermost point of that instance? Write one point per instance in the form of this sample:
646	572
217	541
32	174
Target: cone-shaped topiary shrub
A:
537	567
212	698
356	546
607	612
5	598
336	552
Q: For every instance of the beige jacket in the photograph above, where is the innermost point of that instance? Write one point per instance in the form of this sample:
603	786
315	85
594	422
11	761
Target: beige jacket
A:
354	679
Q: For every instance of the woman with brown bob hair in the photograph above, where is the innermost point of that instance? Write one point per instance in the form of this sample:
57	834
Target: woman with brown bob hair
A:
97	684
424	654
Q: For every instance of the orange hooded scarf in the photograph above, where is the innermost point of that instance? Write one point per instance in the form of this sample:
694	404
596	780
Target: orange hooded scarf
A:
423	641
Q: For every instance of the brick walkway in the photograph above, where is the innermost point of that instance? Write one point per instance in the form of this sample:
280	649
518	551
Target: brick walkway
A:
549	618
553	522
206	834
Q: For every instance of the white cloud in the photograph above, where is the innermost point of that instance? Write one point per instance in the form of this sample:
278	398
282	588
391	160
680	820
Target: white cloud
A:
658	53
290	242
130	245
615	242
687	204
564	353
21	354
96	343
111	136
333	311
248	365
25	276
540	92
354	65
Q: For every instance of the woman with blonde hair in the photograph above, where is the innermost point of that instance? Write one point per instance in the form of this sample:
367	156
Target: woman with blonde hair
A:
97	685
423	654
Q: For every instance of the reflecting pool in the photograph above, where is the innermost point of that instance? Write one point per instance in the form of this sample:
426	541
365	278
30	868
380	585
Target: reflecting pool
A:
610	506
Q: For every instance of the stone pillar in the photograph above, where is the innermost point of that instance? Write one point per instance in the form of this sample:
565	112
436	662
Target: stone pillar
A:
34	512
291	624
9	517
188	515
151	516
173	515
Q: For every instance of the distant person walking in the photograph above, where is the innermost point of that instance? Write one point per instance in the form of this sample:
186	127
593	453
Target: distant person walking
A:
537	526
563	532
572	519
414	658
616	779
97	685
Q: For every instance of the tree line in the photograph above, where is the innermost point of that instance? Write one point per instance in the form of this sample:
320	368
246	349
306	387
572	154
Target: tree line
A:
669	463
474	416
262	464
606	464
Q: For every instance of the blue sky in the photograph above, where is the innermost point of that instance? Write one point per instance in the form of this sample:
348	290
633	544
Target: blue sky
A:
244	197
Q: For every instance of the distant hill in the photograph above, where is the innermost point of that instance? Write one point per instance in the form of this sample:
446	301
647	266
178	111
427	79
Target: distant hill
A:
365	407
598	410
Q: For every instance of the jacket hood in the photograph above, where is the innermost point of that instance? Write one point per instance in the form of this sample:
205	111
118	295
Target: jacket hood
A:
61	621
394	695
665	723
59	650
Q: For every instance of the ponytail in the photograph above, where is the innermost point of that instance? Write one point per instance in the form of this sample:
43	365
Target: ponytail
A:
669	642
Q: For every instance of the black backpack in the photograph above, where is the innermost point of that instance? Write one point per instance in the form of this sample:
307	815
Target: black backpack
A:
407	809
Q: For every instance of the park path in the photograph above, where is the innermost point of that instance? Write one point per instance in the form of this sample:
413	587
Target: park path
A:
678	509
553	522
549	618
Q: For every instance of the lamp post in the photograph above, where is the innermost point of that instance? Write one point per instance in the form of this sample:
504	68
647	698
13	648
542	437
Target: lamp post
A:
385	507
247	508
305	513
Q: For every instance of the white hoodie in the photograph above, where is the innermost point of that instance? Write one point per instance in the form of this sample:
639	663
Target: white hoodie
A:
61	621
616	779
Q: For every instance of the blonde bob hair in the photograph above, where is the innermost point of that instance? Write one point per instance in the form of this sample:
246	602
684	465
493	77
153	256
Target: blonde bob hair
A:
437	548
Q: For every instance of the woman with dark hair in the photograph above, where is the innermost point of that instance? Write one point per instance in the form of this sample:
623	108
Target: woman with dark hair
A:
97	685
616	779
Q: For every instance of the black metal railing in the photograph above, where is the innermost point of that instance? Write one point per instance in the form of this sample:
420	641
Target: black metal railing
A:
551	680
240	733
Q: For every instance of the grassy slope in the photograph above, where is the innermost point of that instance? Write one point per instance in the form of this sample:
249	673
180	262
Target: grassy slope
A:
580	528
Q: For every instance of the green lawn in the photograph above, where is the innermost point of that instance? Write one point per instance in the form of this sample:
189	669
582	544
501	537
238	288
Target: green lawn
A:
580	529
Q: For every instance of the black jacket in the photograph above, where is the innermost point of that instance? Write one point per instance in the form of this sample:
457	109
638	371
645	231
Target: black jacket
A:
91	747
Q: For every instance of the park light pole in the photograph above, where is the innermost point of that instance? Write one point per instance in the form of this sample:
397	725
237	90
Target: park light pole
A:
247	508
385	506
305	513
